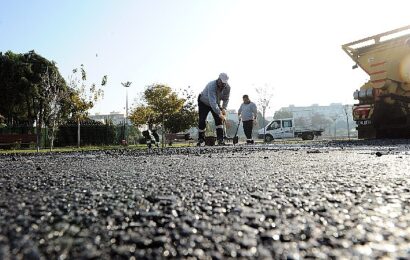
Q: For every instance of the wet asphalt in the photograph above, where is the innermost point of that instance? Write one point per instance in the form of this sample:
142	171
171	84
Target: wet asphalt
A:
284	201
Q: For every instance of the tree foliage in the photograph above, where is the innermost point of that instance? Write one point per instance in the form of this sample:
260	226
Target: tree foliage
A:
262	122
265	95
26	93
281	114
141	115
160	102
186	117
84	94
320	121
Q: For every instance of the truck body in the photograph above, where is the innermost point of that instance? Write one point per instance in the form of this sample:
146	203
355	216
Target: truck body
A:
285	128
383	108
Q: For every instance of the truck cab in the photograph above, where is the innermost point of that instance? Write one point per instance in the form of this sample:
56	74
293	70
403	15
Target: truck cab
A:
278	129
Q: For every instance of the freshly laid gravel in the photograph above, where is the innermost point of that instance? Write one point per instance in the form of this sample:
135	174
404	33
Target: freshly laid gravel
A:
288	201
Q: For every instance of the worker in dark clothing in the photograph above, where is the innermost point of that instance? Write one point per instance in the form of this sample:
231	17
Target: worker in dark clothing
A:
209	101
248	113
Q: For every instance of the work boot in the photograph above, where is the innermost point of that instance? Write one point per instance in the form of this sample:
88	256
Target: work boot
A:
219	134
221	142
201	139
201	142
156	136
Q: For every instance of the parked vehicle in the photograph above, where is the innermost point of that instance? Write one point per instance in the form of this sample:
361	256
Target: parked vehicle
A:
285	128
383	109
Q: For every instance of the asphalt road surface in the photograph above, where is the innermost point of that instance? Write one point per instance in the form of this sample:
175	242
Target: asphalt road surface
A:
286	201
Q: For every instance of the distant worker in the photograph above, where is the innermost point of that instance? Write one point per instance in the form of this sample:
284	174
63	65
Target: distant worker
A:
209	101
248	113
150	135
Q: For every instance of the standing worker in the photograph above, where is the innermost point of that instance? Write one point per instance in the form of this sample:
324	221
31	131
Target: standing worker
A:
248	113
209	100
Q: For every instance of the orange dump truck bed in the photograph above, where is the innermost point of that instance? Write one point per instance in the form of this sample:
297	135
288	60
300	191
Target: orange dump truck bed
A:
383	56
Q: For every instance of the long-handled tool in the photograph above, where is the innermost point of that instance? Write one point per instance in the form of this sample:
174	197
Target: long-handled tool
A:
235	139
224	130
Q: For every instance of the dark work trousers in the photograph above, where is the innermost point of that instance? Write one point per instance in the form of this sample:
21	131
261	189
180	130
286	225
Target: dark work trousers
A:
203	111
247	128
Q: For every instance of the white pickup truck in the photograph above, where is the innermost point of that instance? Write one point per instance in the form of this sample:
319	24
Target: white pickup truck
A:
285	128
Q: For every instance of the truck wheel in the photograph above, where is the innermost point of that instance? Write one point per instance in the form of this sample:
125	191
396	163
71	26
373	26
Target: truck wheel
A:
308	136
268	138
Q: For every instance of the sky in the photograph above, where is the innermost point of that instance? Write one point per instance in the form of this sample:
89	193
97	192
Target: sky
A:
293	47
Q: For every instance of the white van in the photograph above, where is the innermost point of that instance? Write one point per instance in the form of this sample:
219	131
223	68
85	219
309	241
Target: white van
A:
285	128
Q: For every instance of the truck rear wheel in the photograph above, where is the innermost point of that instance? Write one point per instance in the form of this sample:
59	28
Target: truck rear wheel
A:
308	136
268	138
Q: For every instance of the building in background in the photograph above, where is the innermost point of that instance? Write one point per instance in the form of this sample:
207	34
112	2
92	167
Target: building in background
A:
335	118
231	114
115	117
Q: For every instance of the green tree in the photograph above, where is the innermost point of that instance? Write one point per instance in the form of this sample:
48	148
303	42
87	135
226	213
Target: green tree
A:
281	114
25	96
141	115
29	85
159	103
320	121
84	96
187	117
57	102
262	122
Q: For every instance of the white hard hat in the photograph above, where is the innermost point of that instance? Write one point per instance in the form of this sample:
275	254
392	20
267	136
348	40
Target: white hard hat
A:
224	78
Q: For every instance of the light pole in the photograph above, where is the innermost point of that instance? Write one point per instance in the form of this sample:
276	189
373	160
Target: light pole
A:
126	85
334	118
346	109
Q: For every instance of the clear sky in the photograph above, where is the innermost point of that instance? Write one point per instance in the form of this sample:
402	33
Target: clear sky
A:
292	46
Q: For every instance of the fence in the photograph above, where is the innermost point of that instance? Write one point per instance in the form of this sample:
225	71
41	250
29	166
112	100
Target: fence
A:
90	133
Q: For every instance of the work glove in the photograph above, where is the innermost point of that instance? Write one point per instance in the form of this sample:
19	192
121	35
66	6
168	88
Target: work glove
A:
222	117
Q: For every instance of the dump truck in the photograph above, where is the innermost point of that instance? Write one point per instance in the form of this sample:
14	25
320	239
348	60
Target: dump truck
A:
383	109
285	128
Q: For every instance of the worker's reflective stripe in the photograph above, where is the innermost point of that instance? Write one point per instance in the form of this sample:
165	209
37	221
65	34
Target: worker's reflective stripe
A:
219	126
201	131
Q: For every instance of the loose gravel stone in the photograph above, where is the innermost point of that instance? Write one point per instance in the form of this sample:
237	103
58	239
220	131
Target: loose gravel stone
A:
301	200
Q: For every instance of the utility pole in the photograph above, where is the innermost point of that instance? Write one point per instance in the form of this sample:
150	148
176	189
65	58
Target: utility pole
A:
126	85
346	109
334	118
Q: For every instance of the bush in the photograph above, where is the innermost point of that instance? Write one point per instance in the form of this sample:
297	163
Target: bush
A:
91	133
142	140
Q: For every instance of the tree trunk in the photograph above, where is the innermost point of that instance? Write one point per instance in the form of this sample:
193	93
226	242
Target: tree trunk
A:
348	128
38	129
53	130
38	126
78	133
263	124
162	134
347	122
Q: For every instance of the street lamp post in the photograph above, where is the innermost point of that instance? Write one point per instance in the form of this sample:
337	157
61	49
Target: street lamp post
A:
346	109
334	118
126	85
